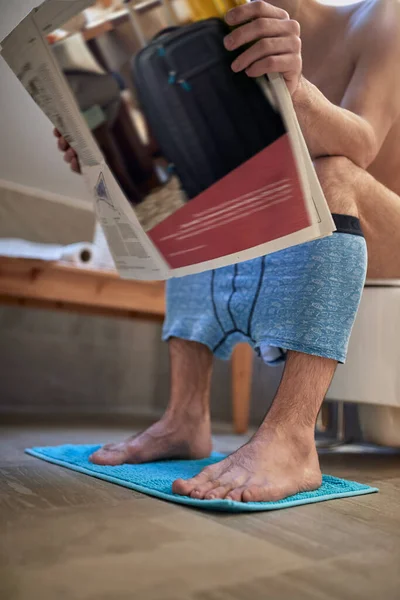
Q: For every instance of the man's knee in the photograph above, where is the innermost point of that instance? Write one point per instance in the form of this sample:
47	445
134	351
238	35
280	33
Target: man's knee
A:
338	177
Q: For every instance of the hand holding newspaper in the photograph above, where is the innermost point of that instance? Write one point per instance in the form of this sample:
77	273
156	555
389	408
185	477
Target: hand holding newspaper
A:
268	203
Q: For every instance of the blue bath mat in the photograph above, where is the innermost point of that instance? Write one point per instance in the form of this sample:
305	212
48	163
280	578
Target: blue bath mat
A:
155	479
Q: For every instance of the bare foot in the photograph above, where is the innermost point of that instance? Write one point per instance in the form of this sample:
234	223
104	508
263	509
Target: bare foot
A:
272	466
168	438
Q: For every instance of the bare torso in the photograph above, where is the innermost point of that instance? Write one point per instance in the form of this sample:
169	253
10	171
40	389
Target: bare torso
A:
329	58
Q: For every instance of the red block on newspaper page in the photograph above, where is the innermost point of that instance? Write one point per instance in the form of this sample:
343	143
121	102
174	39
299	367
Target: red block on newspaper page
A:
256	203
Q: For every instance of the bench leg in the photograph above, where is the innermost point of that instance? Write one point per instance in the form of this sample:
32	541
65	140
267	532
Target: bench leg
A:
242	369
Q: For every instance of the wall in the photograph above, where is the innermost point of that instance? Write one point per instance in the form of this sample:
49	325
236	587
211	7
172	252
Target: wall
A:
62	365
43	217
27	148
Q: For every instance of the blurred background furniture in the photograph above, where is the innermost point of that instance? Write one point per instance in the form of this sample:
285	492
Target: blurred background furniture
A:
58	286
371	376
107	109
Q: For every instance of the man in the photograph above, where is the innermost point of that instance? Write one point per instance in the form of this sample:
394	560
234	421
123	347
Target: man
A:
341	71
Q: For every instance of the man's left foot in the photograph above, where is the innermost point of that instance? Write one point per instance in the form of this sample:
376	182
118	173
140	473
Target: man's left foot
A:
275	464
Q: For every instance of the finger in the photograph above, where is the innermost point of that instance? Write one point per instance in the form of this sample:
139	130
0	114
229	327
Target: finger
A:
62	144
254	10
69	155
267	47
260	28
56	132
75	167
287	64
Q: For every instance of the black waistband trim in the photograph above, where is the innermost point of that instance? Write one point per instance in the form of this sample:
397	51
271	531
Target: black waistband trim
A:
347	224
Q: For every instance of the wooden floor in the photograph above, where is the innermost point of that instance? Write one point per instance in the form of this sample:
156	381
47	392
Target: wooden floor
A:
65	536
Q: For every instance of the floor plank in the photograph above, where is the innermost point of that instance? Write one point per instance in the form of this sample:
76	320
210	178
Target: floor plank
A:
68	536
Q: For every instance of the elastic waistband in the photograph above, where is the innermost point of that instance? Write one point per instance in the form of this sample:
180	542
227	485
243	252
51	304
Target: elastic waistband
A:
347	224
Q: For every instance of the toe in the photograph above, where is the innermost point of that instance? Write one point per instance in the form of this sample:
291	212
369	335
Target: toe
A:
236	494
110	447
185	487
110	454
201	490
252	494
104	459
218	492
98	458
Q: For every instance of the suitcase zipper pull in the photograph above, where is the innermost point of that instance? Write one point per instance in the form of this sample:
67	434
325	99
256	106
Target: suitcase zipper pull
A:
172	77
185	85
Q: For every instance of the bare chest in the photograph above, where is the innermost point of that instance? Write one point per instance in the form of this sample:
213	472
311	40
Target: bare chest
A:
330	67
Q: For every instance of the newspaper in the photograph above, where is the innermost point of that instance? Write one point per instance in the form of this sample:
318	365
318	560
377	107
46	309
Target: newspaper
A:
219	227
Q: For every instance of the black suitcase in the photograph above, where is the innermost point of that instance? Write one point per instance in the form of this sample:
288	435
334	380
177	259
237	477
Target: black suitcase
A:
207	119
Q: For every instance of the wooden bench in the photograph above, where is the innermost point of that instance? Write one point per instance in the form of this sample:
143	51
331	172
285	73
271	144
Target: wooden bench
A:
60	286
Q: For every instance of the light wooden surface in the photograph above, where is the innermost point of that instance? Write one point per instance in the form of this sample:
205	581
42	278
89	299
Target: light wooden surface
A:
90	33
64	535
114	20
63	286
56	286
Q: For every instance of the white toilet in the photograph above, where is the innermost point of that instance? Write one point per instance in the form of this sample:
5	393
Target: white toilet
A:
371	375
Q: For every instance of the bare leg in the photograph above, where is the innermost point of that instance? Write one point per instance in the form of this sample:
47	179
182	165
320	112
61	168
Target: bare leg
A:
351	191
379	210
281	459
184	431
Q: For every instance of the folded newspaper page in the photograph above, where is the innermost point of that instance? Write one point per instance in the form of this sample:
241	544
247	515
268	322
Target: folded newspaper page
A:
268	203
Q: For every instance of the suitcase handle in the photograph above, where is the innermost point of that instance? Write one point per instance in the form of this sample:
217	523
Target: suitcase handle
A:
164	32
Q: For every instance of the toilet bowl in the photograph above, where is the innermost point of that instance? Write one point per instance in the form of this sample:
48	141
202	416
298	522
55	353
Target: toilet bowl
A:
371	375
380	424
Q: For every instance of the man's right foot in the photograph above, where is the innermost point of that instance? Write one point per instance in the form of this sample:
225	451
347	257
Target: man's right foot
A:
169	438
